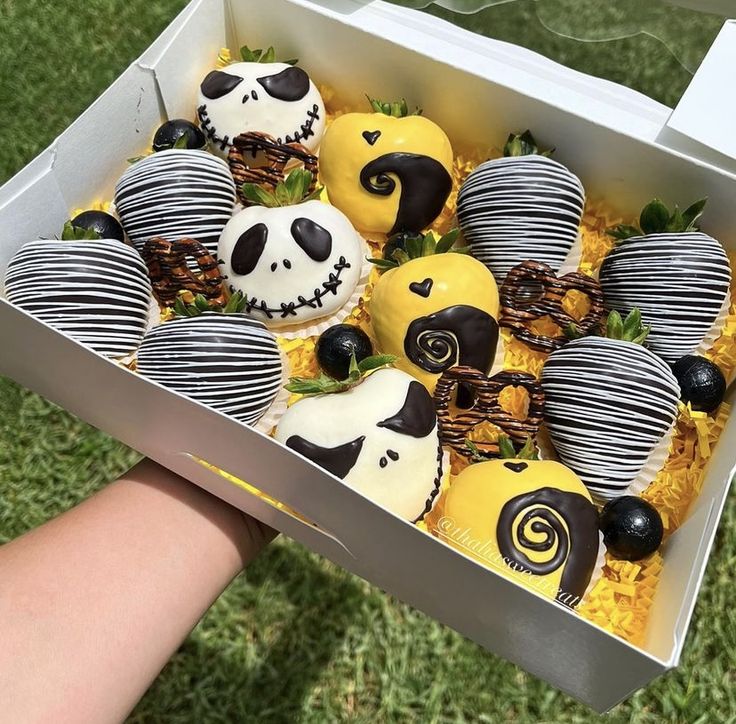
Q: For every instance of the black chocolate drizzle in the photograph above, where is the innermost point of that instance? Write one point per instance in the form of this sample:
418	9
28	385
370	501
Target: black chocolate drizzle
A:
338	460
417	416
568	520
425	186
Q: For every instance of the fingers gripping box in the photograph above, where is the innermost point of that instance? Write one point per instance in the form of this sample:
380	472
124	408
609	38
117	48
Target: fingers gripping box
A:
615	140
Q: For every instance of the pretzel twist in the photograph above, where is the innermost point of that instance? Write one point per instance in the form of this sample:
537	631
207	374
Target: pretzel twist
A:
251	145
455	429
169	273
519	307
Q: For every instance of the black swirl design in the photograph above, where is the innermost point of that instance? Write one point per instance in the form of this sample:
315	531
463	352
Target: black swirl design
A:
425	186
568	523
455	335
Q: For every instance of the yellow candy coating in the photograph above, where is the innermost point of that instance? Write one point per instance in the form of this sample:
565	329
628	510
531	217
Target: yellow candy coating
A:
531	520
356	142
456	280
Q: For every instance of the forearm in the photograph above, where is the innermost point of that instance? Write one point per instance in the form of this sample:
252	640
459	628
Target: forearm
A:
94	603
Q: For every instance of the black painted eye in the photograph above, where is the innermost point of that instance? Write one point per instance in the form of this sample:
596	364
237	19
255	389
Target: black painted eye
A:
417	416
338	460
218	84
248	249
314	239
291	84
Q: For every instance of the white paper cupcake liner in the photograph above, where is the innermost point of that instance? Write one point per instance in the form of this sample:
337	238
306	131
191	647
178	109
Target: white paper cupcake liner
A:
600	563
317	326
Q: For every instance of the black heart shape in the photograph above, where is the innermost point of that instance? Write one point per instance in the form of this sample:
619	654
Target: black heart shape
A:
421	288
371	137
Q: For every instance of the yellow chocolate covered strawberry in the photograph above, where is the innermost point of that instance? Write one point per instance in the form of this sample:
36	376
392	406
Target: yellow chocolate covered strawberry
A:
530	519
387	171
434	309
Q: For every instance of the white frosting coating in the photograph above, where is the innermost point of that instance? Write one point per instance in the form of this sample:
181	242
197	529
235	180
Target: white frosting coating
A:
96	292
608	403
265	97
173	194
520	208
679	282
227	361
399	471
293	263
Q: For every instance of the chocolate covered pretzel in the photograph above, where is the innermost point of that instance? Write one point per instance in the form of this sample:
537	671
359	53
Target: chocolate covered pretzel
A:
247	147
169	273
520	306
456	427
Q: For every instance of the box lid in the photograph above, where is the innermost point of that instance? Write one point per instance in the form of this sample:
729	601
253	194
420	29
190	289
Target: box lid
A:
685	42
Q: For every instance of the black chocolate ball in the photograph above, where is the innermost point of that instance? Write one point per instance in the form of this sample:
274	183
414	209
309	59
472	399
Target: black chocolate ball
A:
171	131
336	345
106	225
702	383
632	528
398	241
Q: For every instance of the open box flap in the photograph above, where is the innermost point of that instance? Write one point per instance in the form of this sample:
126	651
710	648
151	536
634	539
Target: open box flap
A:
702	124
706	136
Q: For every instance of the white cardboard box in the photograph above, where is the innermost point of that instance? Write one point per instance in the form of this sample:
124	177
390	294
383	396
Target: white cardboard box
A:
478	91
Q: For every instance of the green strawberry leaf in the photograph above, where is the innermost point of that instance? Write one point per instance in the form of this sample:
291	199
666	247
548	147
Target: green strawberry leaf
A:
447	241
506	448
414	247
692	214
632	324
623	231
181	142
401	256
382	264
375	361
654	217
676	222
529	451
615	326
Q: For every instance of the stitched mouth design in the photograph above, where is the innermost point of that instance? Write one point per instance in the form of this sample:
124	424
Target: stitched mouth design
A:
304	131
287	309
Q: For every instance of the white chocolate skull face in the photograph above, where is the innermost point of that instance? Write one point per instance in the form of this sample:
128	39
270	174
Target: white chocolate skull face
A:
273	98
294	264
380	438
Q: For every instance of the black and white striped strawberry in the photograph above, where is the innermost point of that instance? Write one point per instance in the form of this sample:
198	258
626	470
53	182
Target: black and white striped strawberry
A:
609	402
524	206
675	274
173	194
219	357
91	289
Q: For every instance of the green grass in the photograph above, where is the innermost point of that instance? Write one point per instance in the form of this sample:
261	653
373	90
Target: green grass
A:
296	639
